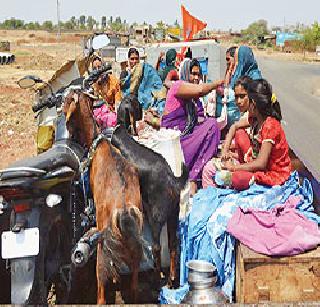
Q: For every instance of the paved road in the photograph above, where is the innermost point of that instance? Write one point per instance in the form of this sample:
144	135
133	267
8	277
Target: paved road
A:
297	86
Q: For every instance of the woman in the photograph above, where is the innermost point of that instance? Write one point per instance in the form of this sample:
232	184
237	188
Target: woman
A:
230	54
245	65
171	56
141	80
133	60
230	62
183	110
264	152
96	63
107	88
242	101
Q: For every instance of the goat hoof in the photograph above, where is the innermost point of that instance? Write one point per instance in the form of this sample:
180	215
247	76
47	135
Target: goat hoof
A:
162	276
172	283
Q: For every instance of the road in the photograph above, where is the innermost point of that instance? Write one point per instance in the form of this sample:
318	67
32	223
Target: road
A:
297	86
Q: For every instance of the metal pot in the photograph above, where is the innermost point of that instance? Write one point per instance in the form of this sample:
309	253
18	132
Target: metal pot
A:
202	279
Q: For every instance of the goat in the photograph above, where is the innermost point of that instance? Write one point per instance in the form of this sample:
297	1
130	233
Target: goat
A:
115	187
160	189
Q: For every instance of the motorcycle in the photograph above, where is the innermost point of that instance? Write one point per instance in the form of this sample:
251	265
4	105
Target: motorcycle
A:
44	198
44	204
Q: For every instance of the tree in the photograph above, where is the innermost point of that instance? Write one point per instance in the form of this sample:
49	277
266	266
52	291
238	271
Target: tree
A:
160	25
258	28
67	25
82	20
103	22
73	22
311	37
47	25
32	26
90	22
13	24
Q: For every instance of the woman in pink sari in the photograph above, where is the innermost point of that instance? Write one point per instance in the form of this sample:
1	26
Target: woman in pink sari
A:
183	111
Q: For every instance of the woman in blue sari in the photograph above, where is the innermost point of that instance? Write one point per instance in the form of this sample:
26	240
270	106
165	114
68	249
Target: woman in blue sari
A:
245	65
141	79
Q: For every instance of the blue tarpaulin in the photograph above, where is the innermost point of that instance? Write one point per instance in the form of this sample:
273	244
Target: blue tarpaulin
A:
281	37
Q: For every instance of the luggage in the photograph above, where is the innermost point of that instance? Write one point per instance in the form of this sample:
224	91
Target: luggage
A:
261	278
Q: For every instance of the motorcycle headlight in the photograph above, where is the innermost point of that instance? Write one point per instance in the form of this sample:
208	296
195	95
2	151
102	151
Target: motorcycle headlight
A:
53	199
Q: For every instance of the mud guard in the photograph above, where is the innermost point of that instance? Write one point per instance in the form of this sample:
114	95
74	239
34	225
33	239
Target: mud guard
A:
22	277
23	269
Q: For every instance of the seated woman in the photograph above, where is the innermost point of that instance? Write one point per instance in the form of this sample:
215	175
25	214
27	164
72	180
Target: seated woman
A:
141	79
183	111
264	152
107	88
171	56
96	63
242	102
244	65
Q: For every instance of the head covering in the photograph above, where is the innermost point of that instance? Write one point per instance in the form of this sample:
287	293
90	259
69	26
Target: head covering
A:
171	56
246	65
184	72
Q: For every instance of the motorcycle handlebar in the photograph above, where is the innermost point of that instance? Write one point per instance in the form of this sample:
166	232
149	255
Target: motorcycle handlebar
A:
56	99
50	102
95	75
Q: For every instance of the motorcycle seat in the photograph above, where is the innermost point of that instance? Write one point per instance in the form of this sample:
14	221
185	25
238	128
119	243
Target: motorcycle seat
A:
63	153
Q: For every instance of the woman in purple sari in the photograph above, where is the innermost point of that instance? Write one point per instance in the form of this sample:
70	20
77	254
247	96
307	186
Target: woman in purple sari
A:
183	110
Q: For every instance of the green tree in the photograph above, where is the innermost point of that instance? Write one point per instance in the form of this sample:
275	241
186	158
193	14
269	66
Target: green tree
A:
258	28
90	22
311	37
67	25
32	26
13	24
47	25
160	25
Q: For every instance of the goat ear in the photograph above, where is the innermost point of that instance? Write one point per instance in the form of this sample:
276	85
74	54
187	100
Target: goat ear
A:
70	111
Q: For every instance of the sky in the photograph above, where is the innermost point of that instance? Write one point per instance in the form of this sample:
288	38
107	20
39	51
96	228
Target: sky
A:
230	14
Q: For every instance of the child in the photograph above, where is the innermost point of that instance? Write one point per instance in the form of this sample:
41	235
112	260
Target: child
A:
242	101
264	153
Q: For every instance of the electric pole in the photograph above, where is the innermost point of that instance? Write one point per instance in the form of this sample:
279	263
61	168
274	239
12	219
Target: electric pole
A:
58	19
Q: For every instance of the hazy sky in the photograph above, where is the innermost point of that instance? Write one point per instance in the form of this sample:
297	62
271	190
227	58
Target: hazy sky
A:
219	14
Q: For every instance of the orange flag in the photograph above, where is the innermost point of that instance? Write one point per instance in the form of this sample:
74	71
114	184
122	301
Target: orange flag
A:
191	25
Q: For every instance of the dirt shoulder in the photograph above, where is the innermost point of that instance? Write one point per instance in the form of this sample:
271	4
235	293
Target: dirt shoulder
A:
37	53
